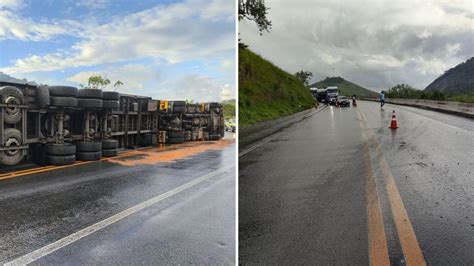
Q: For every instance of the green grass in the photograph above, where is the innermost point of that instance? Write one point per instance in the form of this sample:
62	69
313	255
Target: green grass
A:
229	109
345	87
267	92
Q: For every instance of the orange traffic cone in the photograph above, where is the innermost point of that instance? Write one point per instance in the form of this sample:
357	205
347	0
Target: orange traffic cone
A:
393	124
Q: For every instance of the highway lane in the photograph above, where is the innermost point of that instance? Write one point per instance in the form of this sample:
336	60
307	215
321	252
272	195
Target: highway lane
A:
192	225
308	195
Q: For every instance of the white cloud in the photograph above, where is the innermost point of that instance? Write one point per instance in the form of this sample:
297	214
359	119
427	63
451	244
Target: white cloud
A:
11	4
227	92
12	26
176	32
96	4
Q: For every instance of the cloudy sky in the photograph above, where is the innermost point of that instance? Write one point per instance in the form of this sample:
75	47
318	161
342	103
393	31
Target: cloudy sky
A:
376	44
161	48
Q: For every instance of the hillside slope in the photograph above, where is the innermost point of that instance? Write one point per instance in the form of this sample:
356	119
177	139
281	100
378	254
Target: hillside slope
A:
267	92
345	87
456	81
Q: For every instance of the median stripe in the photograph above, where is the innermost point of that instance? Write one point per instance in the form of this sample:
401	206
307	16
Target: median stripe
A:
63	242
408	241
378	250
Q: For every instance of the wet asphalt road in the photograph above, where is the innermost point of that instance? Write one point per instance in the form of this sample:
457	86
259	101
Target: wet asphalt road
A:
195	226
303	194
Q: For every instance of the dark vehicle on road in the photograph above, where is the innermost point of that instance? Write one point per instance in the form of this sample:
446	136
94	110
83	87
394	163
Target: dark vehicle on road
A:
332	93
60	124
343	101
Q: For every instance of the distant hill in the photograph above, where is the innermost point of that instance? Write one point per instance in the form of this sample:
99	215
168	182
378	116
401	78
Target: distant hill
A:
345	87
458	80
267	92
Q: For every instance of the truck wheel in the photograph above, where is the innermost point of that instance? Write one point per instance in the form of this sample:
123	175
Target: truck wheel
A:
42	96
88	146
12	140
214	136
111	104
179	103
179	109
110	153
89	103
109	144
12	95
90	93
175	140
63	101
191	109
111	95
61	159
175	134
89	156
63	91
60	149
188	136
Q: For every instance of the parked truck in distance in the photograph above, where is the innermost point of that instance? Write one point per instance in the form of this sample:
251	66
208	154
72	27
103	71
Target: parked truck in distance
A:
58	125
332	93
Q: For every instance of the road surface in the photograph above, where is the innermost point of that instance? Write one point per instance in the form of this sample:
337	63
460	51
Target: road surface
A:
172	205
342	188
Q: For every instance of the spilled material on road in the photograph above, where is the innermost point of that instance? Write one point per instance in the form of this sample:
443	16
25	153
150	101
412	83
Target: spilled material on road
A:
149	155
153	156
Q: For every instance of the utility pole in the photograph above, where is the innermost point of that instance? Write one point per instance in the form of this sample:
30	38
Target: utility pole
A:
333	71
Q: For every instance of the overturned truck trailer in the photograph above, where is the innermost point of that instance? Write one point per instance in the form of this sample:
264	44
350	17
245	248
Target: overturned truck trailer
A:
59	124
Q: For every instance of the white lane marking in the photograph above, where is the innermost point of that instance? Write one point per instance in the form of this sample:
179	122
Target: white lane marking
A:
48	249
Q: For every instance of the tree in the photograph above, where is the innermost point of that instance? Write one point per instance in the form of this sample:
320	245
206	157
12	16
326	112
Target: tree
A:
304	76
255	10
117	84
98	82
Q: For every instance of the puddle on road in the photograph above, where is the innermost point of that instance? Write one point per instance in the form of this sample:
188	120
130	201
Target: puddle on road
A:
169	154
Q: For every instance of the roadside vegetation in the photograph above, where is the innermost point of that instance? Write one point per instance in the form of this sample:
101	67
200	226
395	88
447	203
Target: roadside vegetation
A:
229	109
405	91
267	92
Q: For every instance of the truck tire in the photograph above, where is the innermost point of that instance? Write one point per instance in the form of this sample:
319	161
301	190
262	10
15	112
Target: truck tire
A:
179	103
188	136
179	109
61	159
12	138
191	109
90	94
89	156
214	136
42	96
110	153
111	104
63	91
63	101
60	149
175	140
109	144
89	103
88	146
12	95
175	134
110	96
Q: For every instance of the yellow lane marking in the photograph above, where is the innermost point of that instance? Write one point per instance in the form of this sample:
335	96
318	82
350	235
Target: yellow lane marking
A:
378	250
112	159
408	241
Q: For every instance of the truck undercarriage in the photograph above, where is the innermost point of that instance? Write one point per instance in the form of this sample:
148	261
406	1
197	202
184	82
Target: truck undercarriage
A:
59	124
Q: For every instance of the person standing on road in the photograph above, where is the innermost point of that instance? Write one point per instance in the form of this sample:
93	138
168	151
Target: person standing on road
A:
382	99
